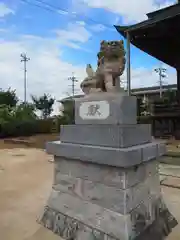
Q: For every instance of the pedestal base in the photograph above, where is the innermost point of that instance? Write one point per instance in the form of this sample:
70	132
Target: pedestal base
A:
160	228
72	229
106	181
92	201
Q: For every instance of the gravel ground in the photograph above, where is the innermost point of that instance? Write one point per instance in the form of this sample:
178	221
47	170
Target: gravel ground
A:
25	183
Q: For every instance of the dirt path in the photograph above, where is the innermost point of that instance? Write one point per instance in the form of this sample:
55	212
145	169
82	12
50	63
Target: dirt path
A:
25	183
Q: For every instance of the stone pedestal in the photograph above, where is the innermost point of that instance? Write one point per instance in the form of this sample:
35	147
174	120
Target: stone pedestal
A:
106	180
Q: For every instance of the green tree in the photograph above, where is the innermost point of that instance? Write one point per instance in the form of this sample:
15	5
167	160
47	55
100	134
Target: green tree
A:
5	114
44	104
8	97
16	121
24	112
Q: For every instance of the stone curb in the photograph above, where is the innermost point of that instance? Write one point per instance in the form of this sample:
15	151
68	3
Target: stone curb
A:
170	159
172	182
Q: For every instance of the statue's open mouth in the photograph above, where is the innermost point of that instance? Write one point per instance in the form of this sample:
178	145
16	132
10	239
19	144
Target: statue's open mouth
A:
111	64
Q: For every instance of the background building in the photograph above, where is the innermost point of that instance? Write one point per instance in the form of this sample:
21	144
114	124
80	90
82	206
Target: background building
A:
147	92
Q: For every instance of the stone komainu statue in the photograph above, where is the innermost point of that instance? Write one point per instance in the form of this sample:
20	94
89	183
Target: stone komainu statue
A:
110	66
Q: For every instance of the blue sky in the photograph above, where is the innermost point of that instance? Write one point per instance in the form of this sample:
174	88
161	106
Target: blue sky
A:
61	37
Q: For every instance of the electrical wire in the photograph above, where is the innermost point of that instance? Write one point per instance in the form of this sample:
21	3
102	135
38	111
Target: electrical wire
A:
50	7
36	5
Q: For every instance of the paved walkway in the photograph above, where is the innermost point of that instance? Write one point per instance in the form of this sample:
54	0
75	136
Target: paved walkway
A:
25	183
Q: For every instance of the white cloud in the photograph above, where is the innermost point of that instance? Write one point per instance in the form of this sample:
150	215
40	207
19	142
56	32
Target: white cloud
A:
74	35
2	30
78	7
61	12
47	73
130	11
143	77
82	23
5	10
97	27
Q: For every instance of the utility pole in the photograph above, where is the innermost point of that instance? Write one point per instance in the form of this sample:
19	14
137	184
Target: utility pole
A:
161	71
25	59
73	80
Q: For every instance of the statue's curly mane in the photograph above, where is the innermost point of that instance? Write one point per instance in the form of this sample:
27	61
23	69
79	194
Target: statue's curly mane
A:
111	49
110	65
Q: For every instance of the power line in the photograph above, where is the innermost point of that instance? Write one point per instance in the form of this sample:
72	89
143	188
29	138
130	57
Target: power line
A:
39	6
53	8
162	74
25	59
73	81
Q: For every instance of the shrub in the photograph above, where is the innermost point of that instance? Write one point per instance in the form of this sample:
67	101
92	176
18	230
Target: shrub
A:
17	128
44	125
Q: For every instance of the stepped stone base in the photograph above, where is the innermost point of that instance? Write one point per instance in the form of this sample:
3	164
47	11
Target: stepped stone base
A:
119	200
106	135
109	187
141	226
106	180
92	201
121	178
120	157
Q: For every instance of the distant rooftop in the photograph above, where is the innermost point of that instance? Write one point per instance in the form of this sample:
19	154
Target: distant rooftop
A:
135	91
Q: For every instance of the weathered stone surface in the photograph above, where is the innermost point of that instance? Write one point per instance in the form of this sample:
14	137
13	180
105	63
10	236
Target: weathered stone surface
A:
150	151
110	176
153	151
115	199
161	227
95	216
110	109
67	216
69	228
107	135
119	157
